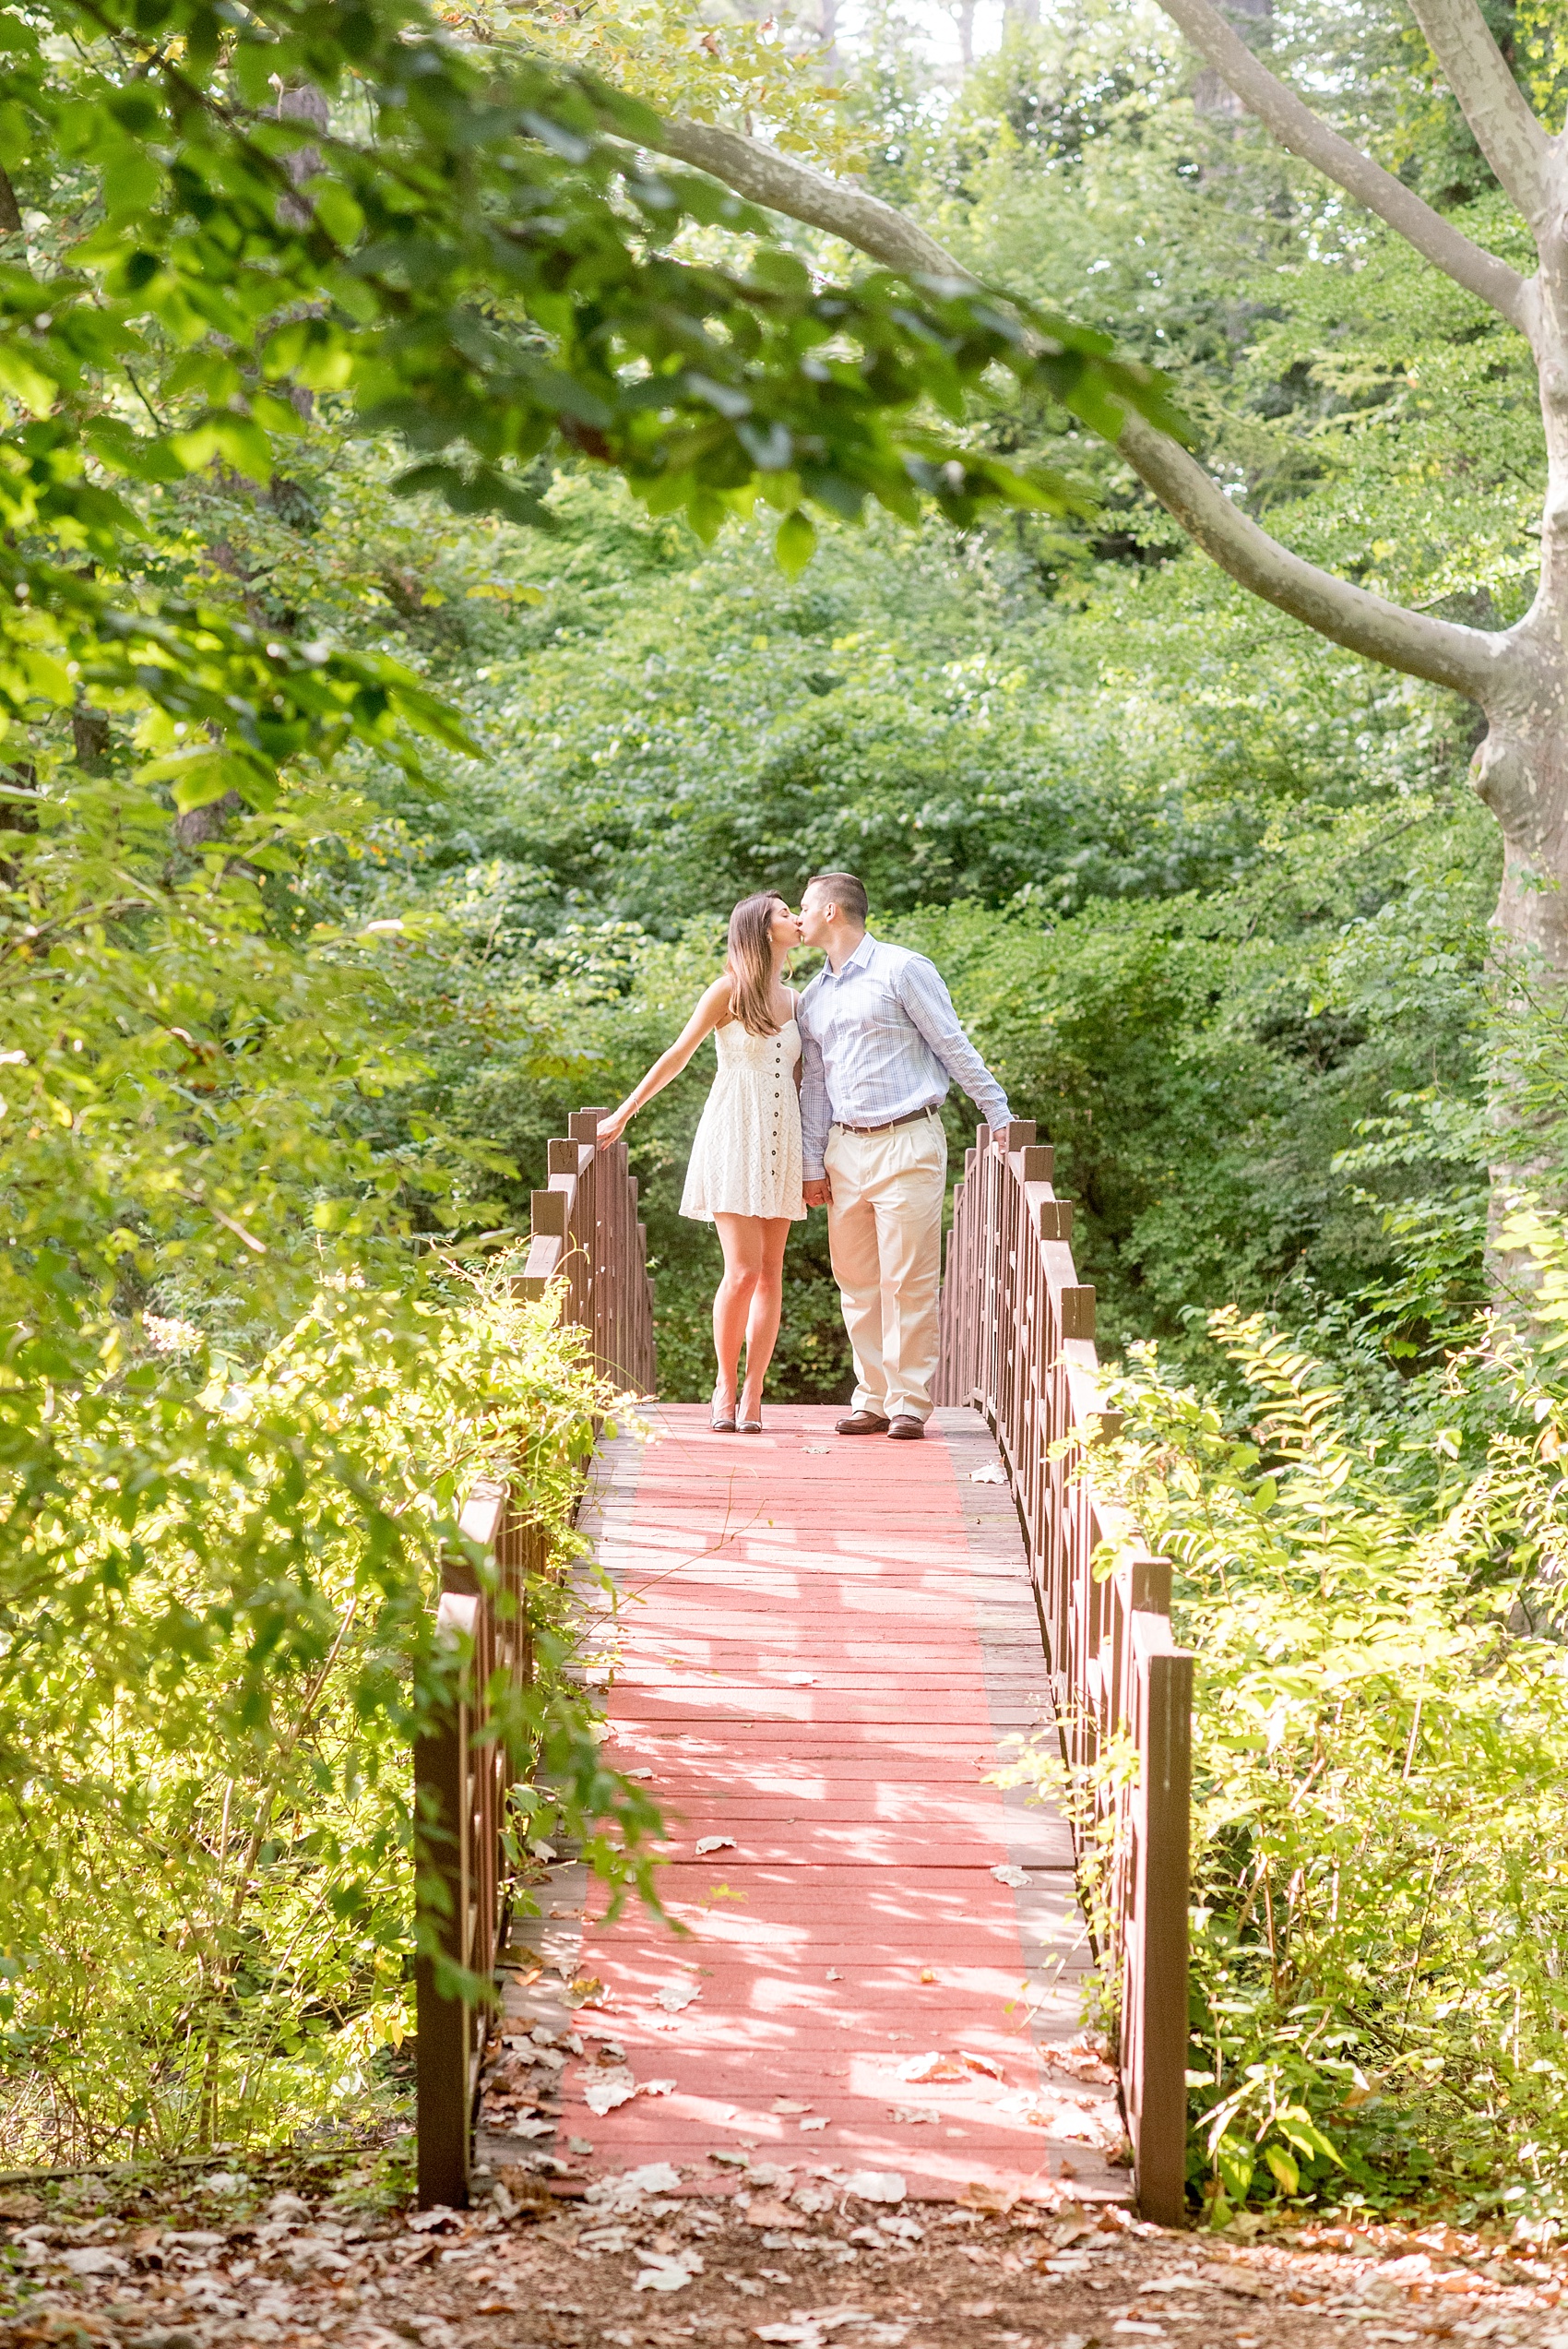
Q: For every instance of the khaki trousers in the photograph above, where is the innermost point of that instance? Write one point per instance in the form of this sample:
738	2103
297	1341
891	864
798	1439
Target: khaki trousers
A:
885	1236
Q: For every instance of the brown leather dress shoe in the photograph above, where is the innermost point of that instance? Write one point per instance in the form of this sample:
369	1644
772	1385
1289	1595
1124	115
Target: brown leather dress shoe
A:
906	1428
860	1422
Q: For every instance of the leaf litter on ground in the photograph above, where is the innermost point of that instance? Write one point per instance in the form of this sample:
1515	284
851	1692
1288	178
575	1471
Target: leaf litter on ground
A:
341	2260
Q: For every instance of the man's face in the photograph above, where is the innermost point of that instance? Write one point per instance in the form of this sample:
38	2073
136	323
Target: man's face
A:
816	912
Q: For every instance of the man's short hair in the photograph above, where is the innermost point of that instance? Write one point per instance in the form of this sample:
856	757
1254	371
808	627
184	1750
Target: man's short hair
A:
848	894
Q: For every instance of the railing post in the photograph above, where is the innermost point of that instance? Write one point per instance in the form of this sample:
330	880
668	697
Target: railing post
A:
444	1902
1165	1775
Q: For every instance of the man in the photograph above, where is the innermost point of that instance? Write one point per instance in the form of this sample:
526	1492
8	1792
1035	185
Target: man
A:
880	1042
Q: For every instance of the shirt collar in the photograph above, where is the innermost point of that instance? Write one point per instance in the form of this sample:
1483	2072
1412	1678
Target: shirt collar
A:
856	962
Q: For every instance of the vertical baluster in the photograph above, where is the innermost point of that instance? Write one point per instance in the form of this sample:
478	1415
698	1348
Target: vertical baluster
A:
1159	1937
444	1892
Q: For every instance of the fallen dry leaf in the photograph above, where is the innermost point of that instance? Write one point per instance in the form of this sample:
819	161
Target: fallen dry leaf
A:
673	1995
921	2068
766	2209
989	2199
607	2090
877	2186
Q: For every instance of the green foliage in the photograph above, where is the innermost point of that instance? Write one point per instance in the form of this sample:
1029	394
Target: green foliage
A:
467	251
1380	1843
219	1636
238	1416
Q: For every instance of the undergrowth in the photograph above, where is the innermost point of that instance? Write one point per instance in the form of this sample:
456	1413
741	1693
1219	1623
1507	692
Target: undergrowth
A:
1380	1799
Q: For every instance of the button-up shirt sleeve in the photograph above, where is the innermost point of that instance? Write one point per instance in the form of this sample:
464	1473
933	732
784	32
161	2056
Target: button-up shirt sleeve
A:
815	1114
924	994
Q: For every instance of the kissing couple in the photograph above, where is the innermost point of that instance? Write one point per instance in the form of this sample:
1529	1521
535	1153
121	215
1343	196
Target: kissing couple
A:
832	1099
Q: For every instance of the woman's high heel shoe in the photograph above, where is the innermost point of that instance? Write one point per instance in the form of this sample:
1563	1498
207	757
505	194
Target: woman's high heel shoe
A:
721	1422
748	1426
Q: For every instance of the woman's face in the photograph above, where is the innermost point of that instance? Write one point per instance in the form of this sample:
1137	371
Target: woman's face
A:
783	927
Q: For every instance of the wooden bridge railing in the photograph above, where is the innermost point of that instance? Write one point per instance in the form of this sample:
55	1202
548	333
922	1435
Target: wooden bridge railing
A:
1017	1342
586	1234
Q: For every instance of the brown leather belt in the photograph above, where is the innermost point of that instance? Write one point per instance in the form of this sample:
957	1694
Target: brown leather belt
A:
913	1118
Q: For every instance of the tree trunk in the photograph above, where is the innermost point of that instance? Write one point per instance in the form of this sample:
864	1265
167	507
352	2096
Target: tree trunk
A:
90	737
303	104
1522	768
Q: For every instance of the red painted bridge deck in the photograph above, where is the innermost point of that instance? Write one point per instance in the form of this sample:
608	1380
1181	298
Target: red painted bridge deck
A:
816	1648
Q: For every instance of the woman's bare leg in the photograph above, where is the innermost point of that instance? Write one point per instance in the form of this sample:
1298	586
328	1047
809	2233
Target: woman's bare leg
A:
741	1238
768	1304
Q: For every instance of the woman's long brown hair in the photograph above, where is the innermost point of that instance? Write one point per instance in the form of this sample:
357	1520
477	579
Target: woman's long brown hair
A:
750	963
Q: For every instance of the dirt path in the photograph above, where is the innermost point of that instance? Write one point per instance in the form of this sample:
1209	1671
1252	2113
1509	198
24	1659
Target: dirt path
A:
233	2262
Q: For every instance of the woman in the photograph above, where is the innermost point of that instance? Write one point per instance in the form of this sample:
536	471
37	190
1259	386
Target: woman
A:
745	1170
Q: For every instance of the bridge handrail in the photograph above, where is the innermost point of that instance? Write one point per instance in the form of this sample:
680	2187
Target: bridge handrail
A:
585	1234
585	1229
1017	1342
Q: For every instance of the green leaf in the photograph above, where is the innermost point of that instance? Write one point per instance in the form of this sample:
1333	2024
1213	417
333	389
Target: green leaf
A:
1235	2163
25	380
779	272
132	182
1300	2129
338	212
16	134
794	544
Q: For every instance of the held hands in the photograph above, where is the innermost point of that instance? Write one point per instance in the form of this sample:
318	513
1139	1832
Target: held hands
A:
817	1193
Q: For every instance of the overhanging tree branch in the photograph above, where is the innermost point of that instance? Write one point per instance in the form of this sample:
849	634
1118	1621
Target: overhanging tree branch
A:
785	184
1513	142
1465	659
1296	127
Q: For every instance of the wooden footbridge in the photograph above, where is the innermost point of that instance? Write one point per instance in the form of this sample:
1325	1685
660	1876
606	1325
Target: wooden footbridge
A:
815	1651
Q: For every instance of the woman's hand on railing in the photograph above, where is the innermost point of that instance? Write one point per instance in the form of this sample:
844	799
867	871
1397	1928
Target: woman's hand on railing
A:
610	1128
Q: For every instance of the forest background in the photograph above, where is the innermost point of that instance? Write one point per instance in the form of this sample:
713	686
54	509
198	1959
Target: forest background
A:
1211	895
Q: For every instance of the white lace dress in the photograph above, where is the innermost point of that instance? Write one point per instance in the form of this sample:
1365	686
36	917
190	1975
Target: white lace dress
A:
746	1157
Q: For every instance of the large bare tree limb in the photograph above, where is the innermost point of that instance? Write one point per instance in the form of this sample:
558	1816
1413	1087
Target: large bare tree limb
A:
1468	660
1517	145
1465	659
1296	127
783	184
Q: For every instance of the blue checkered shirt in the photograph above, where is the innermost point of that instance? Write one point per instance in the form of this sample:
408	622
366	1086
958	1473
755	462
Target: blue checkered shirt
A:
880	1040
